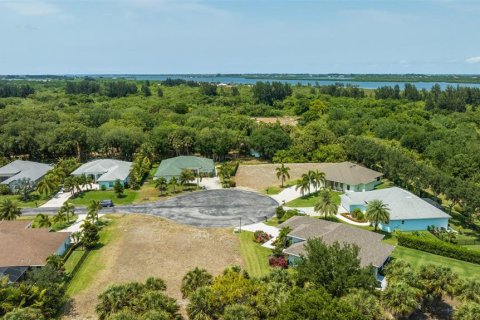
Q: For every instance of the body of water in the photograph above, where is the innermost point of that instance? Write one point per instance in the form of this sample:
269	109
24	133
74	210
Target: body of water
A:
241	80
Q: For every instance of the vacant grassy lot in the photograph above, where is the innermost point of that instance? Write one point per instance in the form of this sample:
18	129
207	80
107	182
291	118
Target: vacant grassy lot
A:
284	121
148	192
84	198
136	247
311	199
254	255
417	258
262	176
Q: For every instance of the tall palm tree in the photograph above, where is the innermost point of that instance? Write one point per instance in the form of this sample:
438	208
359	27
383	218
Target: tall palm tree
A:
317	179
90	181
48	184
377	212
186	176
9	210
161	184
93	209
68	185
326	204
43	221
69	210
303	184
77	184
59	217
82	181
173	182
283	173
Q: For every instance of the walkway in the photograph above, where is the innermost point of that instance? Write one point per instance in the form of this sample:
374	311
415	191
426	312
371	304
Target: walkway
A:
61	197
289	194
77	225
211	183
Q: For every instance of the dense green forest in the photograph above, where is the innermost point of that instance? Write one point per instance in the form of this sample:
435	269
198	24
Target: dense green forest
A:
423	140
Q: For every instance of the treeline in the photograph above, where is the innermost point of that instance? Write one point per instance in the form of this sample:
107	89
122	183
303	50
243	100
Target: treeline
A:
15	90
169	82
450	99
268	93
112	89
417	176
342	90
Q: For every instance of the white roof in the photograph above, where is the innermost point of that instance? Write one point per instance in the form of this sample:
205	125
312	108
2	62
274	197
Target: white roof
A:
19	169
109	169
403	204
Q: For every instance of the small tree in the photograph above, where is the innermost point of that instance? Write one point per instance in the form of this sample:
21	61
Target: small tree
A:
173	182
118	188
43	221
326	205
193	280
9	210
90	235
24	187
161	184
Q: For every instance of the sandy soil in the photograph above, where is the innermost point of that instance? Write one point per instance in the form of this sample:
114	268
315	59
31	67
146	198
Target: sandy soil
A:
151	246
284	121
260	177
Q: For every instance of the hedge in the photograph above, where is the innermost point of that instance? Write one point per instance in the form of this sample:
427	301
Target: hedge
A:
438	247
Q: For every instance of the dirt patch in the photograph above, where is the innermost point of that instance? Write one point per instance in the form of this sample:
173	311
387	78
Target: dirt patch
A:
284	121
260	177
151	246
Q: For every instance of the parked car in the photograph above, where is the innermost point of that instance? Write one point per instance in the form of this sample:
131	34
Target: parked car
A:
106	203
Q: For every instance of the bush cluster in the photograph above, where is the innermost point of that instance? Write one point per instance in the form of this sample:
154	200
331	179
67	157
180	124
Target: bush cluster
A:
278	261
438	247
261	236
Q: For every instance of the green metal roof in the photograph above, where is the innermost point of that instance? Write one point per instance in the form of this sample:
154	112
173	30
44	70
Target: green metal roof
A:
174	166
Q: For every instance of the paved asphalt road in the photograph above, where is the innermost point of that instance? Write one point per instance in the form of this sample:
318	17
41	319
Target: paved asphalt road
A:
210	208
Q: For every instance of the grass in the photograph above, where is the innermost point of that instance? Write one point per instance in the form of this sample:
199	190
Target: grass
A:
73	260
311	199
148	192
385	183
254	255
418	258
84	198
94	261
273	190
35	201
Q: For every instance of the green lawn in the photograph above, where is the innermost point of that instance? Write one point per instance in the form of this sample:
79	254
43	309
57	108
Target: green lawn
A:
84	198
273	190
94	261
73	260
311	199
417	258
254	255
36	200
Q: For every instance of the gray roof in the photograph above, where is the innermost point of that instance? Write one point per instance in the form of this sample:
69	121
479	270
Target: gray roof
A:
372	250
174	166
349	173
19	169
110	169
403	204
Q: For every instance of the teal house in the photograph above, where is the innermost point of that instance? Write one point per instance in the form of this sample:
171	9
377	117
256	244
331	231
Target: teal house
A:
407	211
106	171
20	169
173	167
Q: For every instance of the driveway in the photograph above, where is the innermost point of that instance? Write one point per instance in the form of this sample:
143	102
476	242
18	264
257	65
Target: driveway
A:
210	208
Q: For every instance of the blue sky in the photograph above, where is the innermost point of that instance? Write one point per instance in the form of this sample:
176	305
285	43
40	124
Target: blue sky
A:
239	36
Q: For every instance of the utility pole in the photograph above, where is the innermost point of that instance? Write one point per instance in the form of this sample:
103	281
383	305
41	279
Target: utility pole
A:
240	229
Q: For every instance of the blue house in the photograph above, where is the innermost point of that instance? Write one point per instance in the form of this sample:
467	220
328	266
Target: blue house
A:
105	171
407	211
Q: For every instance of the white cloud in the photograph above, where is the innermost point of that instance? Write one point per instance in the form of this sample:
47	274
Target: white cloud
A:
31	7
473	59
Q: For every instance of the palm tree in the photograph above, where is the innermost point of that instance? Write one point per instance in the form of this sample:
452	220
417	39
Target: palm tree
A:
377	212
161	184
76	236
68	185
89	181
173	182
59	217
401	299
43	221
82	181
56	262
186	176
77	184
69	210
317	179
326	204
48	184
303	184
93	209
9	210
195	279
283	173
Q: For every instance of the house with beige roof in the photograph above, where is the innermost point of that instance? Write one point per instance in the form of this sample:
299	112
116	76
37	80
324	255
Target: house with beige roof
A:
23	248
371	249
348	176
20	169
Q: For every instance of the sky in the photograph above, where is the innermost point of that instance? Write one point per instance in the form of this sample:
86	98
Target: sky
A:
239	36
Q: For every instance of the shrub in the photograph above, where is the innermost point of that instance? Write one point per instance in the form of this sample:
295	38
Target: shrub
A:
4	189
356	212
261	236
290	213
232	184
438	247
278	261
103	187
279	212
